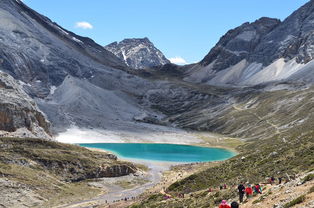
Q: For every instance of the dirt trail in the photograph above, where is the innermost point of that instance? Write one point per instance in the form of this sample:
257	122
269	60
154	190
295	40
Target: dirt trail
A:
117	193
159	177
279	195
259	118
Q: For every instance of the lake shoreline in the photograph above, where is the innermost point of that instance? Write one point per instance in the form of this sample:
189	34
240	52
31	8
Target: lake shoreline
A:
159	152
162	174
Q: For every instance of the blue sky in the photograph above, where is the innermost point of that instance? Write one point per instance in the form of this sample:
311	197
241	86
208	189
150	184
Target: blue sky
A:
179	28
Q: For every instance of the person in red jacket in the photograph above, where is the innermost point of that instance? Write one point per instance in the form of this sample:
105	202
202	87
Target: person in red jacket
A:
224	204
249	191
258	189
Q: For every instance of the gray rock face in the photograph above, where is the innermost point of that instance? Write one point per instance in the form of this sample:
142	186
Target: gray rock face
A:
81	103
11	190
138	53
264	51
41	53
19	115
293	38
239	43
78	83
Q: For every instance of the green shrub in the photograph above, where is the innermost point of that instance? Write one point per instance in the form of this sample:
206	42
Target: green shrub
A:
308	178
298	200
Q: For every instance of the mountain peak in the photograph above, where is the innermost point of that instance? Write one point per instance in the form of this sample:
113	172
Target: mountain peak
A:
239	42
138	53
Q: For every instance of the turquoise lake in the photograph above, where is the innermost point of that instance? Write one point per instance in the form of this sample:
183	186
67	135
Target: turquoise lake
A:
164	152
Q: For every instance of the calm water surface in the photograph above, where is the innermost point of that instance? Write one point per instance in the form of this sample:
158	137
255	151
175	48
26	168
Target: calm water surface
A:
164	152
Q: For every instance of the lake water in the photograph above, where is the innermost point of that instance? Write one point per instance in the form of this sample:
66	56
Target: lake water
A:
164	152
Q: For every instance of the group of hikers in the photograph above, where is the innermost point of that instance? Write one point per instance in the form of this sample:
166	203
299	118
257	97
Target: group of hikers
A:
224	204
248	191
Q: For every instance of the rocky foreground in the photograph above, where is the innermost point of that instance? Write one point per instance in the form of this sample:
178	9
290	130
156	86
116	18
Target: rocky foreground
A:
297	193
51	173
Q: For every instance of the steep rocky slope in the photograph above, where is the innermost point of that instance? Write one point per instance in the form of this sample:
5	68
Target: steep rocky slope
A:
40	53
138	53
75	81
76	87
19	115
263	51
79	83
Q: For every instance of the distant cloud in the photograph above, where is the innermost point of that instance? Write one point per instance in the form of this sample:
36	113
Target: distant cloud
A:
178	60
84	25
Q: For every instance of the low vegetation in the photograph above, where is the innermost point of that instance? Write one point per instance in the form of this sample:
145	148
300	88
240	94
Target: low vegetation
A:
283	155
296	201
54	172
308	178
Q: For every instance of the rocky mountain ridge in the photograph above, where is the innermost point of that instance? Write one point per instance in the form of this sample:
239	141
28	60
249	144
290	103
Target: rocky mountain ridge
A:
138	53
77	83
41	53
264	51
75	87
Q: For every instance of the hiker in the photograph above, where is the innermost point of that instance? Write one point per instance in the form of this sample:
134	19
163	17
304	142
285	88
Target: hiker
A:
272	180
234	205
241	190
224	204
166	196
257	189
220	187
249	191
279	180
225	186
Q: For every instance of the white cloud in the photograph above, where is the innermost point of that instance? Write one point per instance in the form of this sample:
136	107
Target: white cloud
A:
84	25
178	60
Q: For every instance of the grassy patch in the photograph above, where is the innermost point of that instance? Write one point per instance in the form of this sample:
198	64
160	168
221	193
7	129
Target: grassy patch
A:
52	169
296	201
72	192
216	140
308	178
131	184
142	167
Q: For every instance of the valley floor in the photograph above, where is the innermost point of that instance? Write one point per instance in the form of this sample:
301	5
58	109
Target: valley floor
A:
158	175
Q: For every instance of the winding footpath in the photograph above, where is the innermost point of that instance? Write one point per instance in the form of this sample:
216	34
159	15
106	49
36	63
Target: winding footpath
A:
117	193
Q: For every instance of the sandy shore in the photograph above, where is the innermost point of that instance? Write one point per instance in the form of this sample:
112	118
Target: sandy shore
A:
156	134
